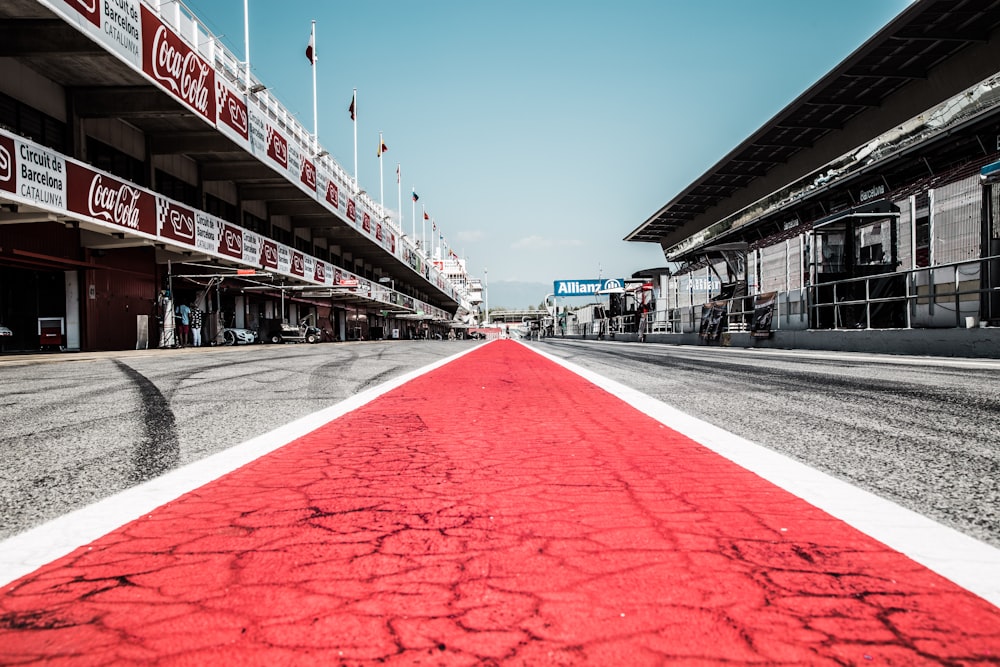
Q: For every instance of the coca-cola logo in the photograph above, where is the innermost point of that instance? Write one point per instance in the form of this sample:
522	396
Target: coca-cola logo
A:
277	147
88	8
309	174
177	67
333	194
117	203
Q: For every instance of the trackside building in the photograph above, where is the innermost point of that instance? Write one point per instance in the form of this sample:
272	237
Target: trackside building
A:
142	166
864	215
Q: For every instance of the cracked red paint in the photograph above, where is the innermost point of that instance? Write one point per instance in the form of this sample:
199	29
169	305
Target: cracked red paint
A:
496	510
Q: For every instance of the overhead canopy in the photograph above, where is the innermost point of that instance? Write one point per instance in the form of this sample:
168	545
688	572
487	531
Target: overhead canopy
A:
934	49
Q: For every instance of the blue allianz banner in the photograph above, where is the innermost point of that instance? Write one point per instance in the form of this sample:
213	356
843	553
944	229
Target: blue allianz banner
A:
586	287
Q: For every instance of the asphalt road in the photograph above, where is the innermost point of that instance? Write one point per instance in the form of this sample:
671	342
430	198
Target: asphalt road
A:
922	432
75	428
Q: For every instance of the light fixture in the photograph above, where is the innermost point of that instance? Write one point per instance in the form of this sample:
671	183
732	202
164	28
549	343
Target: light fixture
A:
256	88
322	153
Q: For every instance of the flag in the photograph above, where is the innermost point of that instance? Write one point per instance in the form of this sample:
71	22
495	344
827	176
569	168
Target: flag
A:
426	217
415	197
397	174
351	109
310	50
382	148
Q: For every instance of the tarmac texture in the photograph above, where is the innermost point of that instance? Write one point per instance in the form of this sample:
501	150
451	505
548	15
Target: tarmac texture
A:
498	509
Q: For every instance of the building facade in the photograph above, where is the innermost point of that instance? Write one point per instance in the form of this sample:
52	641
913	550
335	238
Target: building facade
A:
141	168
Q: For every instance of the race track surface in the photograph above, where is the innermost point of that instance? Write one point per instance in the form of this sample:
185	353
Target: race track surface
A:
498	509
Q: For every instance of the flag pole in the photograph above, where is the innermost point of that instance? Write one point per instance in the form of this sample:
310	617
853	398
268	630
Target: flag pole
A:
246	43
423	230
312	40
354	118
399	196
381	186
413	214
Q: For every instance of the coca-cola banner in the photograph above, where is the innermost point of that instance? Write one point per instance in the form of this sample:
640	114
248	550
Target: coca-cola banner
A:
171	63
116	24
233	116
108	200
175	222
35	174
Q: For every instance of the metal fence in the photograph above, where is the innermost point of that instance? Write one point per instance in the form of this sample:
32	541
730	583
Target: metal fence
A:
958	294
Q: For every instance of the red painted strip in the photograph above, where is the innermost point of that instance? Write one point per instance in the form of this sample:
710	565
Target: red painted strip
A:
497	509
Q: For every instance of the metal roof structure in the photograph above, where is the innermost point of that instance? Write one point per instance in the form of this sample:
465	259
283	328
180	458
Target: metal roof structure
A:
932	50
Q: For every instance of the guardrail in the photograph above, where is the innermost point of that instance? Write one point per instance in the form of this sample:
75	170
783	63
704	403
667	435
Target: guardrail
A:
954	295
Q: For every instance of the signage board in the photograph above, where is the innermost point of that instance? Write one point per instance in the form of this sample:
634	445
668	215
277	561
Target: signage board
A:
589	287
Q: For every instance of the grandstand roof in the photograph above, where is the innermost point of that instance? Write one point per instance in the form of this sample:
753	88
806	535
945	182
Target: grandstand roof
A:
932	50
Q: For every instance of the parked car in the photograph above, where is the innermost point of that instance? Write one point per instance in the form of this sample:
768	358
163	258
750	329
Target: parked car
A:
5	332
234	336
289	333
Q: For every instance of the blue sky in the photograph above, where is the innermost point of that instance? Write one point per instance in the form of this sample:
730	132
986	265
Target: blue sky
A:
538	133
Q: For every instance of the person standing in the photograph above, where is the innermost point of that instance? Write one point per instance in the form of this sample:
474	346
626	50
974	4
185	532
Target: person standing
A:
196	316
184	326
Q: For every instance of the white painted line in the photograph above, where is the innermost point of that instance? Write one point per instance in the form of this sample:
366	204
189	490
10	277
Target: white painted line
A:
25	552
968	562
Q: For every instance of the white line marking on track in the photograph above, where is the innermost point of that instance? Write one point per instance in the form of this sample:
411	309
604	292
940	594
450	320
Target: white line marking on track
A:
968	562
25	552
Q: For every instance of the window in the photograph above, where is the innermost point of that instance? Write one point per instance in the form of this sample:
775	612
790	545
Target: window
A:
110	159
170	186
220	208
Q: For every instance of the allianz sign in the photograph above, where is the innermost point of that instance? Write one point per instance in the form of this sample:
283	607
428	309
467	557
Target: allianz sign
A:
586	287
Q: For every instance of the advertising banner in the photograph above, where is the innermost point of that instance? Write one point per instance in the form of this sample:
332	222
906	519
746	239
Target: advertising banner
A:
233	117
105	199
587	287
713	320
175	222
230	240
171	63
268	254
206	232
115	24
251	248
763	312
35	175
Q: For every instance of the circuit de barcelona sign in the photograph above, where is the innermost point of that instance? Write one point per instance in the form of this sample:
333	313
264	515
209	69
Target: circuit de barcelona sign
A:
586	287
